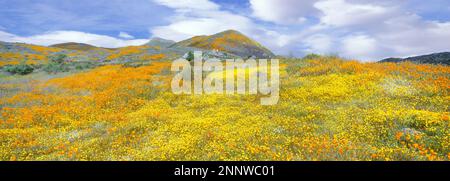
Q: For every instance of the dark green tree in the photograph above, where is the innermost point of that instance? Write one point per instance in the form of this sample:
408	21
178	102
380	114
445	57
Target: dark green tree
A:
190	56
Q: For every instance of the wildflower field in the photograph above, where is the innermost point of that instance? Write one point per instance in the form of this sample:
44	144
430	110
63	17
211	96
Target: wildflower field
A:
329	109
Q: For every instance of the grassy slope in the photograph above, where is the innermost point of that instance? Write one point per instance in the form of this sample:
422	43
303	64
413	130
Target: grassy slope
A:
17	53
329	109
229	41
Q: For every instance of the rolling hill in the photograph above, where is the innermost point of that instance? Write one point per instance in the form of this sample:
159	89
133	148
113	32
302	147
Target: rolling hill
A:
74	46
227	44
229	41
435	58
79	47
15	53
160	42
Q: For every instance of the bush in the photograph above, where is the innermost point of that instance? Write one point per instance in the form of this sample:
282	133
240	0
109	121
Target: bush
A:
58	58
21	69
83	65
135	64
311	56
57	64
56	67
190	56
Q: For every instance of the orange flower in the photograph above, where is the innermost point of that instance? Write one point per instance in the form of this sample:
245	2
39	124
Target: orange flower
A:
445	117
417	137
374	156
398	135
14	158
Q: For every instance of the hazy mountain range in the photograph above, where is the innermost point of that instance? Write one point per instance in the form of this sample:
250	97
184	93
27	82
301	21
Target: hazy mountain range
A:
227	44
435	58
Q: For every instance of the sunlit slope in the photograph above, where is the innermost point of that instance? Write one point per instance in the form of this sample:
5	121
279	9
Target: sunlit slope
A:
229	41
18	53
15	53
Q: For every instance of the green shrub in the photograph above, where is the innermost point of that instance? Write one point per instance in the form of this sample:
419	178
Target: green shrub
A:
190	56
57	64
311	56
54	67
58	58
21	69
83	65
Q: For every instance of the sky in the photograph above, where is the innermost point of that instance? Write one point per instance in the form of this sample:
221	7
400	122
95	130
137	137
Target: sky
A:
355	29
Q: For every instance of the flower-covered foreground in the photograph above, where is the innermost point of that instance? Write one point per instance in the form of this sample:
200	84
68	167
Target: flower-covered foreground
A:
329	109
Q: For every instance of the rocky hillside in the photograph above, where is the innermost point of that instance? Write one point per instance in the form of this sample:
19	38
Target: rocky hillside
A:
435	58
230	41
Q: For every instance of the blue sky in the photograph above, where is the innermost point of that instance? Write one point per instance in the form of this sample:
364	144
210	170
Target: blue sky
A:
359	29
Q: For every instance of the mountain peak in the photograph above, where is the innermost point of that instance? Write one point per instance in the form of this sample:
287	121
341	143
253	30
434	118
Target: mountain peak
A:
157	41
229	41
230	32
160	39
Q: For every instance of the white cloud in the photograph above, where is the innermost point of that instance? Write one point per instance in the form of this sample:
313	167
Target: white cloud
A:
207	25
410	35
7	37
319	43
187	28
402	35
56	37
360	47
363	30
282	11
203	19
188	23
343	13
125	35
189	4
